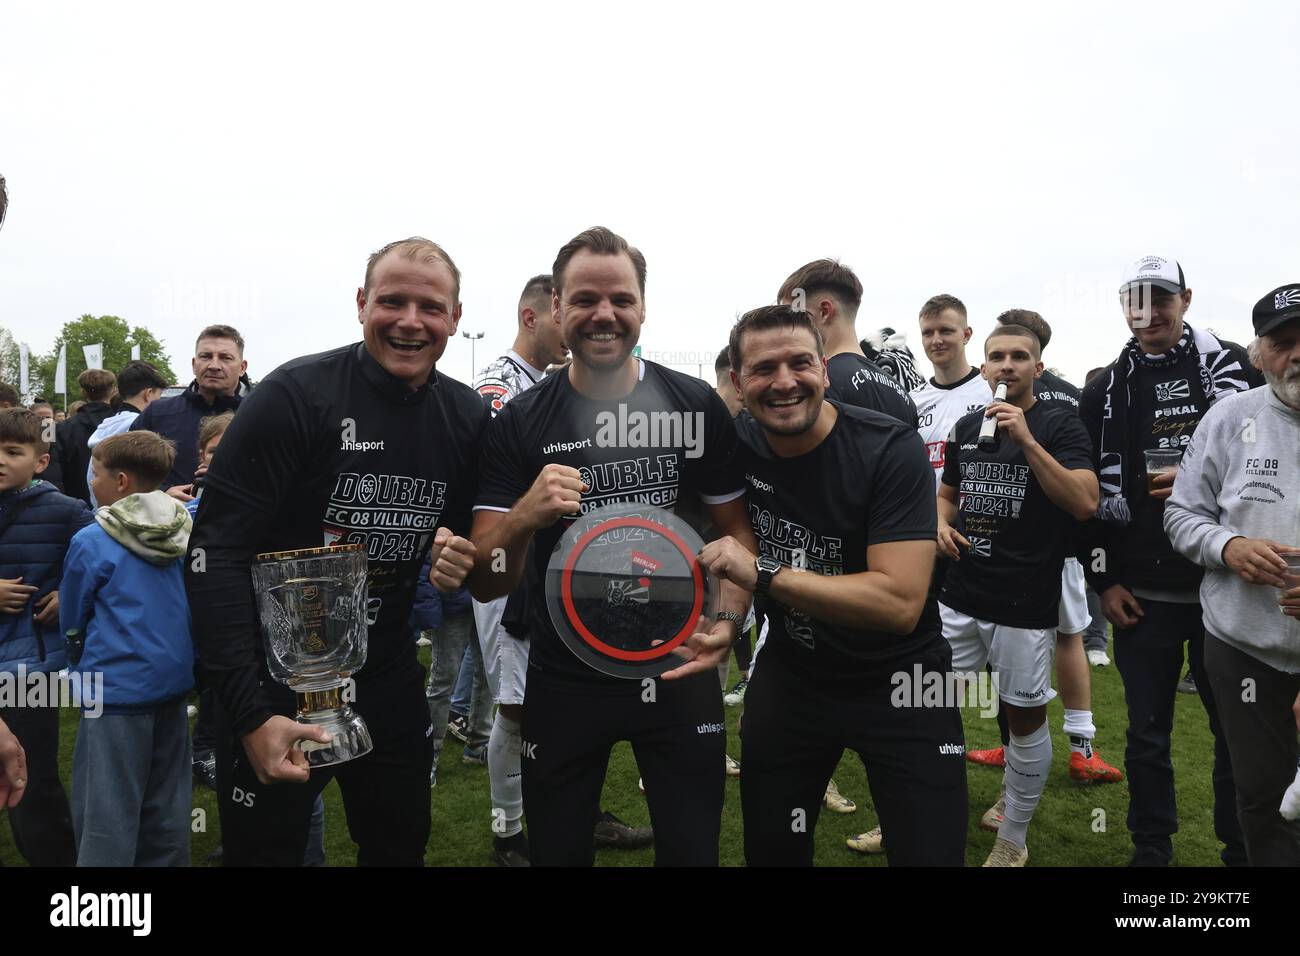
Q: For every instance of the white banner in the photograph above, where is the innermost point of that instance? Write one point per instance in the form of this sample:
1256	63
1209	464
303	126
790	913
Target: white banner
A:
135	352
94	355
61	372
23	384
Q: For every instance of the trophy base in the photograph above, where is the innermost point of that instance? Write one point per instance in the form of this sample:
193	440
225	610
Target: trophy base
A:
349	736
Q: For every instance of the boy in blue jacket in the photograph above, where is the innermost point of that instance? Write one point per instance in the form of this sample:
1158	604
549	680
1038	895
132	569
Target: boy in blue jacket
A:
36	524
123	601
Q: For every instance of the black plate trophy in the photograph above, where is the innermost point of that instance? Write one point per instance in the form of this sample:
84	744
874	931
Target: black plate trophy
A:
313	609
625	590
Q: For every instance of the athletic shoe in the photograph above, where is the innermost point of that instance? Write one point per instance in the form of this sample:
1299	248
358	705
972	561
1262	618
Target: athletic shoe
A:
733	768
992	818
1006	853
458	727
204	769
1188	684
423	642
191	711
988	758
476	755
511	851
737	693
1098	658
1093	769
612	833
873	841
836	802
640	784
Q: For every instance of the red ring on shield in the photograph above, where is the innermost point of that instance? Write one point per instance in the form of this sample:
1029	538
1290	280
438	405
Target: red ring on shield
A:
566	590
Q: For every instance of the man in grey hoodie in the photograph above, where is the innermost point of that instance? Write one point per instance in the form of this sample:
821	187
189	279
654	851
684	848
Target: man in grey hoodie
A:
1233	511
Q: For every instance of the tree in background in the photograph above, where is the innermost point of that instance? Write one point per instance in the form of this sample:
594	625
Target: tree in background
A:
117	337
9	360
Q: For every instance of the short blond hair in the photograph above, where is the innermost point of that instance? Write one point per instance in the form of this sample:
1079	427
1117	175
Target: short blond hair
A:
416	249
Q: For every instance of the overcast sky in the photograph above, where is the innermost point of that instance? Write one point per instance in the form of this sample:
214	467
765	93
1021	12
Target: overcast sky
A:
178	165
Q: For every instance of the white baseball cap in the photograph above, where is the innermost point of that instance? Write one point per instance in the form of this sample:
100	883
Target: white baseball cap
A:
1156	271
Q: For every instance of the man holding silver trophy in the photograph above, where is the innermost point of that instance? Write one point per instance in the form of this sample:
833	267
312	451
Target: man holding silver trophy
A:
338	474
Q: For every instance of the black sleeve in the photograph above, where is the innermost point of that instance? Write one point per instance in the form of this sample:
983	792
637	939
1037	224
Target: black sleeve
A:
458	516
903	504
717	471
1096	537
1070	444
503	478
951	459
263	454
143	421
53	472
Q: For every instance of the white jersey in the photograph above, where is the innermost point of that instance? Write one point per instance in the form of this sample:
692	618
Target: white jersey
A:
939	406
504	378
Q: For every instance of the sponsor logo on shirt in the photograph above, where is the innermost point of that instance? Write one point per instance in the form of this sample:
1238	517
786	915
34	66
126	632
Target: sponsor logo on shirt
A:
1262	487
1168	391
1176	410
760	484
952	748
1262	467
555	446
711	728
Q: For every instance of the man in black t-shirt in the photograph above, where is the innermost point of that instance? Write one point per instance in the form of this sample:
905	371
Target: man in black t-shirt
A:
840	501
832	294
364	444
1074	681
547	459
1005	518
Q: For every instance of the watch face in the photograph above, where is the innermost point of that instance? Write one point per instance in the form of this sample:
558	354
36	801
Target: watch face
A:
625	590
769	564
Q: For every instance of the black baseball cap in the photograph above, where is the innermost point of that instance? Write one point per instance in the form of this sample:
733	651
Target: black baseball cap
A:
1277	308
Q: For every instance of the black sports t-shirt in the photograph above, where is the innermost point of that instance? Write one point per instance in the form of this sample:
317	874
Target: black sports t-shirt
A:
1019	539
329	449
868	482
1050	387
856	380
552	422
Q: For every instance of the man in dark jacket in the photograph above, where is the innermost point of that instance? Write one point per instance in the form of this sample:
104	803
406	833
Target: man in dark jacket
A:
219	386
71	436
1152	398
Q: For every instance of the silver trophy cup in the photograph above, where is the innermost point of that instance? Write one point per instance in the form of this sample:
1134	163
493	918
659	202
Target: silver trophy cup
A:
312	604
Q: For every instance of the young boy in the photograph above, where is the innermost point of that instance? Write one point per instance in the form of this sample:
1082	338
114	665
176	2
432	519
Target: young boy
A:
36	524
124	600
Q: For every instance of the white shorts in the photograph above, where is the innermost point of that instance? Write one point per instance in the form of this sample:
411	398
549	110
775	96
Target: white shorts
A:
1074	616
505	657
1021	657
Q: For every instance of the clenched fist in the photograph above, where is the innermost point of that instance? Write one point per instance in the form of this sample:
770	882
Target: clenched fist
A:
556	492
452	558
728	560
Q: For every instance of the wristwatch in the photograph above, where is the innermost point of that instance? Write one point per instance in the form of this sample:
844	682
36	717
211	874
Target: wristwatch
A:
767	568
732	616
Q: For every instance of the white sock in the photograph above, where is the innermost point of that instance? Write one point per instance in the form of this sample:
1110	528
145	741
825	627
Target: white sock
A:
1080	729
1028	761
505	779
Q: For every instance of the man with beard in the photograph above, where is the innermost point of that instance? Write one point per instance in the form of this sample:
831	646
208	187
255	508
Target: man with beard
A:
544	462
843	578
1233	512
365	444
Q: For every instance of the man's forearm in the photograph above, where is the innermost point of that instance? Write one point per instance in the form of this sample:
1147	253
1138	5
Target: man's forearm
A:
867	600
502	554
1073	491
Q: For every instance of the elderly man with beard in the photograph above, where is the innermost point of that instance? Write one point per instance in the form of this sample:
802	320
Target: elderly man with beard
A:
1233	511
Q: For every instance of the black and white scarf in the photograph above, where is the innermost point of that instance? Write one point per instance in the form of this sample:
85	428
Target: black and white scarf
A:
1221	374
889	350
